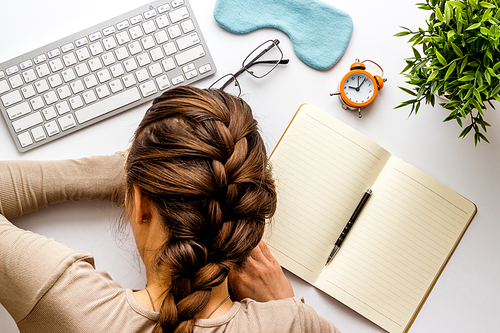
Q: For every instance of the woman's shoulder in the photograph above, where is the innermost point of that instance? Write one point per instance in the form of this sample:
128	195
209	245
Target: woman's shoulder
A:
288	315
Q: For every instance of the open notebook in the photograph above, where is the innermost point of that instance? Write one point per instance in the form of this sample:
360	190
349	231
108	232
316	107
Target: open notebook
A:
401	241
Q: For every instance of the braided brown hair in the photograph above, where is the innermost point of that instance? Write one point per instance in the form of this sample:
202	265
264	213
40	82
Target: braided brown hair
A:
199	159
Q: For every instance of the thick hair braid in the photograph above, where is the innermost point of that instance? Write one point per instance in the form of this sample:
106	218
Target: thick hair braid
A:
199	158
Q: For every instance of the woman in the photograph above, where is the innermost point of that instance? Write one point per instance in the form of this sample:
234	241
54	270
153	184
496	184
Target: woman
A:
197	191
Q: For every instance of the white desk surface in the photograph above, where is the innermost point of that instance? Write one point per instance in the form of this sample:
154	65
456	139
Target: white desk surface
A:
466	297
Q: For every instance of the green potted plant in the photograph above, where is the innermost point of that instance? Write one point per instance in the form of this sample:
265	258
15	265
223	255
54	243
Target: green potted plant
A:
457	57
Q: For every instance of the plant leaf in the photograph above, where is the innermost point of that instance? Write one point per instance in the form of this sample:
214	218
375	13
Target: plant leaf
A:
474	26
456	4
456	49
450	70
402	33
487	4
441	59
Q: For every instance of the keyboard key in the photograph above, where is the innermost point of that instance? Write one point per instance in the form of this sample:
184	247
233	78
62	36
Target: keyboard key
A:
169	48
177	3
129	80
116	85
95	36
4	86
148	88
130	64
188	41
161	37
117	70
142	75
148	42
155	69
28	91
77	86
163	8
16	81
107	105
69	59
121	53
39	59
136	32
83	53
103	75
56	64
96	48
187	26
67	47
26	64
12	70
108	31
62	107
50	97
190	55
122	25
81	69
178	14
27	122
76	102
49	113
108	59
55	80
109	43
25	139
162	21
68	75
136	19
51	128
53	53
89	96
143	59
168	64
90	81
163	82
42	70
122	37
19	110
149	27
11	98
156	54
178	79
37	103
102	91
66	122
82	41
205	69
29	75
149	14
95	64
41	86
174	31
63	92
38	133
134	48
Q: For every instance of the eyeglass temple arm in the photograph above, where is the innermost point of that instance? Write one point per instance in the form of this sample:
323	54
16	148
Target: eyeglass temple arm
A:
244	68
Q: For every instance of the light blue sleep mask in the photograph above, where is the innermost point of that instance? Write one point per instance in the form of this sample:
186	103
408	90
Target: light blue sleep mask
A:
319	32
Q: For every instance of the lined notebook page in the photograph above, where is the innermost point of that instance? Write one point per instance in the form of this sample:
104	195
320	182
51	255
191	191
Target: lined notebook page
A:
398	247
322	167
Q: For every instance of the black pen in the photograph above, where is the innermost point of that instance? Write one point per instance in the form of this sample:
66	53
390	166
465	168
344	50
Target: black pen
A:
349	224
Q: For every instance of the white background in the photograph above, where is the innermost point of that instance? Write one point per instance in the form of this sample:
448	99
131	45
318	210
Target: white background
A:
466	298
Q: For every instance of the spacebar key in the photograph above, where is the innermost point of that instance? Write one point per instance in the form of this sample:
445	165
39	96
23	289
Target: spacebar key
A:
109	104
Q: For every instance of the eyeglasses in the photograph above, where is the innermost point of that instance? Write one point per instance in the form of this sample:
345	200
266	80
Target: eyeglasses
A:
260	62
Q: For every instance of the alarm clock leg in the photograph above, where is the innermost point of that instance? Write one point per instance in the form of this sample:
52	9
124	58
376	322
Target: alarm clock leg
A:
359	112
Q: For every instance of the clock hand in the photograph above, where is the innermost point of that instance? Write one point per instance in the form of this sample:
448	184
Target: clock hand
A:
361	84
353	87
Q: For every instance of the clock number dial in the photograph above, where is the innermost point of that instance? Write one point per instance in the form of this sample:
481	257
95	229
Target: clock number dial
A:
358	88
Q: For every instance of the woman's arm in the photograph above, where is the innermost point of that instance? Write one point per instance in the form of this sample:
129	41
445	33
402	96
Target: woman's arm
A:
27	186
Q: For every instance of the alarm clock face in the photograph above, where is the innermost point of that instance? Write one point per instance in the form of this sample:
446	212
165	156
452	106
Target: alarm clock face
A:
359	89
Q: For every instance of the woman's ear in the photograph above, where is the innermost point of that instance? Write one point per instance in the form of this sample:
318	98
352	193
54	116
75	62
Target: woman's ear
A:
142	207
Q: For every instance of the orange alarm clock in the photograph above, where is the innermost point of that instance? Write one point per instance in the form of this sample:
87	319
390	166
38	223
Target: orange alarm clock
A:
358	88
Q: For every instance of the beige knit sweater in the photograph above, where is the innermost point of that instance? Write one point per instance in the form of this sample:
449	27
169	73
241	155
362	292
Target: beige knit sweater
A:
48	287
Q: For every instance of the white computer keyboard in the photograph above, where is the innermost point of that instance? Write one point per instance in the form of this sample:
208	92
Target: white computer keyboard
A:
101	71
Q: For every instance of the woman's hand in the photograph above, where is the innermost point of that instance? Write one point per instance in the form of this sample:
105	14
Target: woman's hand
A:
261	278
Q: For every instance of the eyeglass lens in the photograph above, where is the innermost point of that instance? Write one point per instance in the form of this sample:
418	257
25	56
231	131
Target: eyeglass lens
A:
263	59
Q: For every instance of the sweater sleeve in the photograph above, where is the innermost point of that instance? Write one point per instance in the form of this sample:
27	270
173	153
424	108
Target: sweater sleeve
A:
26	186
